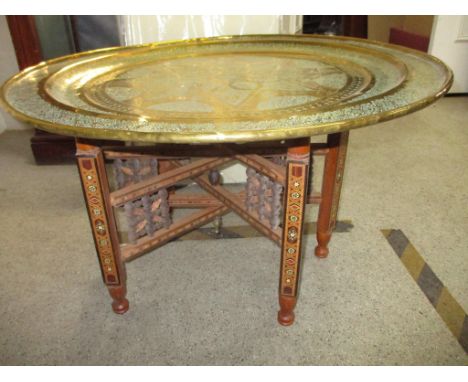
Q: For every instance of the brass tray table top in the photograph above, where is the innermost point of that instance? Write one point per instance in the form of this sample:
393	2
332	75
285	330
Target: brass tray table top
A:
226	89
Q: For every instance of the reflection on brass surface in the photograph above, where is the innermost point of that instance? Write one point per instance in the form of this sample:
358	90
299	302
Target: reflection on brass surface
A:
232	86
226	89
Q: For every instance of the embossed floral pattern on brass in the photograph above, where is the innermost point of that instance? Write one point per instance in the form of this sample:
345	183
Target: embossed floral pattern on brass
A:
226	89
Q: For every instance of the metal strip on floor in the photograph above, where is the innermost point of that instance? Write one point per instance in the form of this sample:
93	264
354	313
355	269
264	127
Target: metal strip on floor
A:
436	292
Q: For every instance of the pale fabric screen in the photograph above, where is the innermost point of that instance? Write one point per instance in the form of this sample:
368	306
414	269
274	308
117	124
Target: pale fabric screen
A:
149	28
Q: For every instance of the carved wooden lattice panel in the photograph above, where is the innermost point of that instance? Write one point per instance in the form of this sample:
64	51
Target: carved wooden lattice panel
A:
264	196
134	170
149	213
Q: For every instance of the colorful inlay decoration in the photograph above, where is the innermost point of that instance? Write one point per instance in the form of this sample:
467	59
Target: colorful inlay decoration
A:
99	223
293	220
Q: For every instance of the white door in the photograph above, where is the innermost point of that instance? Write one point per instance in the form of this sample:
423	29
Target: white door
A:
449	42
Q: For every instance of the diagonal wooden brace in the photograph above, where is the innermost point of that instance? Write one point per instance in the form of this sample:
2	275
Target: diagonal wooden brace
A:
275	172
198	201
155	183
231	201
162	236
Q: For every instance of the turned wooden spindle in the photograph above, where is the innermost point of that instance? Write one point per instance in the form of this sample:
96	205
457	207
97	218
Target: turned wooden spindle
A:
331	189
214	177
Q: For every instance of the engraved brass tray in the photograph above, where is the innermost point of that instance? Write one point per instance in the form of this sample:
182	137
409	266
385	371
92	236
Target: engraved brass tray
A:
226	89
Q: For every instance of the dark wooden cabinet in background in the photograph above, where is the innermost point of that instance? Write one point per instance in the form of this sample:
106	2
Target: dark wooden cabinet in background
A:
355	26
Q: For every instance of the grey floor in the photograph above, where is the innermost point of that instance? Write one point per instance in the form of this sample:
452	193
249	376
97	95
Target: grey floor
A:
214	302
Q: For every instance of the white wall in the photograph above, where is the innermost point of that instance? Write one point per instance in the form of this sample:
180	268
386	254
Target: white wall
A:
8	67
449	42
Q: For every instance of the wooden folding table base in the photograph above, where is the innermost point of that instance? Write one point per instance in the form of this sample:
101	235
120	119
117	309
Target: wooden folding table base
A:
273	202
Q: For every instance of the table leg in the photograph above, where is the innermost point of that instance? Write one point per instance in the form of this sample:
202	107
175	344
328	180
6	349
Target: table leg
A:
96	193
298	160
331	189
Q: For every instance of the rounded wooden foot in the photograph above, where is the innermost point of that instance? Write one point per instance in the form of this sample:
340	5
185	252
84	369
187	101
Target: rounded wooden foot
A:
286	313
286	318
120	304
321	250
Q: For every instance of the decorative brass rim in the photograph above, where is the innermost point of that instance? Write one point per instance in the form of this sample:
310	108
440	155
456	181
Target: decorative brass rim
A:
231	135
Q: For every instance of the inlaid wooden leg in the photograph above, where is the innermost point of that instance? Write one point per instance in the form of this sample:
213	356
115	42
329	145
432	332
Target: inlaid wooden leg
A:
96	192
298	160
331	189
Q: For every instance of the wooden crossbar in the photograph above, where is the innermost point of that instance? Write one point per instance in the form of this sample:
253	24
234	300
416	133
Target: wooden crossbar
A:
251	217
164	180
219	202
162	236
231	201
198	201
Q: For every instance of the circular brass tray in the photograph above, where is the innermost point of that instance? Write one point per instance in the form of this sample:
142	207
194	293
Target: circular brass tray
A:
226	89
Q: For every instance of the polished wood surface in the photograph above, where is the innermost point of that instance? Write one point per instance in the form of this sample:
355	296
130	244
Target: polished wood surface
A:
331	189
25	40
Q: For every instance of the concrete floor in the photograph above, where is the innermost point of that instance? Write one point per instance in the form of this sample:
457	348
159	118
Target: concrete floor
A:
214	302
